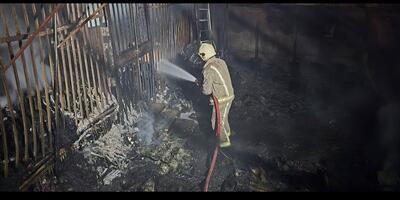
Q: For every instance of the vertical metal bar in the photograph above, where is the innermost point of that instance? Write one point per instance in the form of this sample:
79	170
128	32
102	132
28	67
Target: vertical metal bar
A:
66	81
113	37
126	30
101	67
46	89
166	32
37	84
5	146
100	63
130	21
133	20
129	66
84	35
52	84
78	85
170	31
169	46
162	33
85	101
99	102
112	33
163	30
71	70
93	74
57	83
59	94
49	117
138	65
178	34
10	106
91	10
173	28
100	78
183	31
56	88
209	20
19	91
158	30
121	26
123	91
150	54
137	41
64	66
116	29
29	90
154	39
121	48
101	89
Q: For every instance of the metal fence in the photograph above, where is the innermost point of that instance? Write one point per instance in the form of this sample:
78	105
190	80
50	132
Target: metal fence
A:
99	53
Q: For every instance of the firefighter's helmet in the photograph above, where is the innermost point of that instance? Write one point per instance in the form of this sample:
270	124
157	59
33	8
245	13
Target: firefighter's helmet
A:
206	51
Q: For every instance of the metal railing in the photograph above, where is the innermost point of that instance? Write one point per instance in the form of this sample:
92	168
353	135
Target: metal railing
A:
99	53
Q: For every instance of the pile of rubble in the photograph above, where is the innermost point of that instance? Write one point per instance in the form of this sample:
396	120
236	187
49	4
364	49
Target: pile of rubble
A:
172	99
169	155
168	151
145	136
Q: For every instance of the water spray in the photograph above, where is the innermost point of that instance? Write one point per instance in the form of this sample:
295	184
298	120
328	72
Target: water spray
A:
172	70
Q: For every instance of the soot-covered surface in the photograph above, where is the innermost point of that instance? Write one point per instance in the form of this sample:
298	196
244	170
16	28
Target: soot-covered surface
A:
285	139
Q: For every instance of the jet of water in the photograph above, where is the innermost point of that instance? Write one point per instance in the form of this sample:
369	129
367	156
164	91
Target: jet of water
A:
170	69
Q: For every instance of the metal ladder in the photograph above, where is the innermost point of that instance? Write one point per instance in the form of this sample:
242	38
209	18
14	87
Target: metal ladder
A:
203	21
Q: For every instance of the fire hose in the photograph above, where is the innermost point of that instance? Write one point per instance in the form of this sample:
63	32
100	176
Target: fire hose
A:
217	133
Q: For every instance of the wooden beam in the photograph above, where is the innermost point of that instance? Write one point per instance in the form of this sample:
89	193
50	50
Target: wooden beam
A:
48	163
25	36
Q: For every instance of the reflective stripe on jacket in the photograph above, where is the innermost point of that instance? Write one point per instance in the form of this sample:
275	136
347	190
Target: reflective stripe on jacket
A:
217	80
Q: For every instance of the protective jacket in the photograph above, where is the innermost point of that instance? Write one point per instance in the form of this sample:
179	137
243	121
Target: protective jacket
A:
217	81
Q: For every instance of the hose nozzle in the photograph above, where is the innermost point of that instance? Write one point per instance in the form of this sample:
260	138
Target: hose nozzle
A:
197	82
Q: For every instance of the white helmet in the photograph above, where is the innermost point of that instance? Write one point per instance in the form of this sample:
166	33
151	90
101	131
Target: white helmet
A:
206	51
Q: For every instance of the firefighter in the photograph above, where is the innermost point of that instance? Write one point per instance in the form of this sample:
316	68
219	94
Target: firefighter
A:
217	82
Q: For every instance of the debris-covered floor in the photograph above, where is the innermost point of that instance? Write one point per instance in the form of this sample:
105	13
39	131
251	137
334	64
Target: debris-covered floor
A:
278	143
316	103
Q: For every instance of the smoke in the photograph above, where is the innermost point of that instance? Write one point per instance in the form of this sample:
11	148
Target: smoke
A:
5	58
146	128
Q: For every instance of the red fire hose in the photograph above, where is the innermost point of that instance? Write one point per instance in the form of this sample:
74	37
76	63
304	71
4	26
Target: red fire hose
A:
217	133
